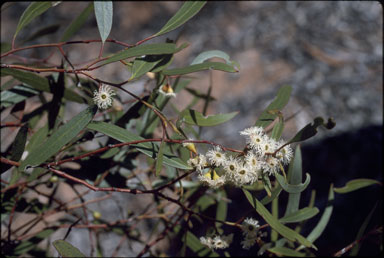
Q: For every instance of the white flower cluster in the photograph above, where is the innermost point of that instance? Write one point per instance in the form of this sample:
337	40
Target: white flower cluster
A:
250	228
216	168
217	242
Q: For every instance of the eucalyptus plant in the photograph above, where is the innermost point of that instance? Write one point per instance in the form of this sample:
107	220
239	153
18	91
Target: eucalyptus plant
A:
184	175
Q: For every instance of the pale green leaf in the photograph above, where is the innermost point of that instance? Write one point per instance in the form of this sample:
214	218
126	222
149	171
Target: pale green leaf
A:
77	23
159	159
194	117
356	184
201	67
65	249
58	139
297	188
300	215
17	94
104	17
186	12
284	251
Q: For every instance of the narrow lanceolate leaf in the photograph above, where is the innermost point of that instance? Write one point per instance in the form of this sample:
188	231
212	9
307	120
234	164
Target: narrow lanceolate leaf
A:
149	149
201	67
202	57
33	10
16	95
186	12
283	230
284	251
18	145
311	129
77	23
143	65
104	15
295	173
65	249
39	83
194	117
58	139
159	159
356	184
322	224
278	128
300	215
293	188
149	49
278	103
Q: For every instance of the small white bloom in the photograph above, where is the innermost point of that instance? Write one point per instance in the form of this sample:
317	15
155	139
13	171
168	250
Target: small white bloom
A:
250	227
268	145
212	179
271	165
243	176
231	166
248	242
199	162
217	242
167	90
285	154
103	97
216	156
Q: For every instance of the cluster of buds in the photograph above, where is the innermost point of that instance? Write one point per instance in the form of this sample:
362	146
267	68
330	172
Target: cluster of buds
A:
216	168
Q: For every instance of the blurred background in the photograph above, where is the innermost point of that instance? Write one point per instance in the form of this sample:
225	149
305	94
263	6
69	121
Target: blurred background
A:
331	53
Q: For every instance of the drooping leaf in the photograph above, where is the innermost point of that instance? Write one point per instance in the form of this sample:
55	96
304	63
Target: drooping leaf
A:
149	149
104	17
201	67
295	173
293	188
194	117
33	10
18	145
149	49
311	129
186	12
283	230
65	249
159	159
59	138
202	57
278	103
300	215
322	224
39	83
77	23
17	94
356	184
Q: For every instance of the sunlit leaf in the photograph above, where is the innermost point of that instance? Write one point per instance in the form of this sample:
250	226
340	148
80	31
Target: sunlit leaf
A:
149	149
59	138
65	249
33	10
201	67
104	17
278	103
186	12
356	184
194	117
297	188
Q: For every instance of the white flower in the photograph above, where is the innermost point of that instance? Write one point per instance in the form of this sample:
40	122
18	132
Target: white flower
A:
103	97
212	179
218	242
198	162
248	242
271	165
231	166
255	130
167	90
253	163
285	154
216	157
250	227
243	176
268	145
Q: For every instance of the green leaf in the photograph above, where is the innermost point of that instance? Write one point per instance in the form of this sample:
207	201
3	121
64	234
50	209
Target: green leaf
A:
143	65
294	177
104	15
149	49
159	159
149	149
284	251
77	23
274	194
221	210
27	245
214	54
277	130
18	145
286	232
197	247
310	130
194	117
356	184
39	83
278	103
33	10
201	67
65	249
47	30
300	215
59	138
293	188
186	12
322	224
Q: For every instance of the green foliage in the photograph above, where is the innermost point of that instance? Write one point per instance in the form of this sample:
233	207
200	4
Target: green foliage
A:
100	149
